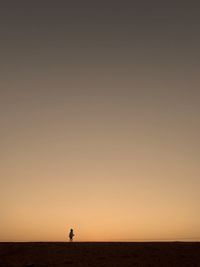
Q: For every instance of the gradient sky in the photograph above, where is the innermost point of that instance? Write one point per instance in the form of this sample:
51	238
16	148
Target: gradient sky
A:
99	120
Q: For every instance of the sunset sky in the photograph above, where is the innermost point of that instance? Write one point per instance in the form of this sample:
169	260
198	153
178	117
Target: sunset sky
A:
99	120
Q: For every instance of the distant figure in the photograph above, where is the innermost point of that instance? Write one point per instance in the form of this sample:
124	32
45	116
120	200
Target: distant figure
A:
71	235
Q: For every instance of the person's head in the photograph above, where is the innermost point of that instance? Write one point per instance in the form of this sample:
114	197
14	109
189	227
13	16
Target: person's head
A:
71	230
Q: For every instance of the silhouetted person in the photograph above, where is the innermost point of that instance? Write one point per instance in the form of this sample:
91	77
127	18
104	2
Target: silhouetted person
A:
71	235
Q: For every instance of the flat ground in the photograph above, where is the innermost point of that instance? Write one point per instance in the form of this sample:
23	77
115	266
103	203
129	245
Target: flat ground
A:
177	254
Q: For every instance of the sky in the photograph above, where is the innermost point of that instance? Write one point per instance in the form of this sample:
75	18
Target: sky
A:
99	120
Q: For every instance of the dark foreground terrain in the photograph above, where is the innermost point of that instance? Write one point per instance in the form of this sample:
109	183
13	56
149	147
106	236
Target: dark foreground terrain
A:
99	254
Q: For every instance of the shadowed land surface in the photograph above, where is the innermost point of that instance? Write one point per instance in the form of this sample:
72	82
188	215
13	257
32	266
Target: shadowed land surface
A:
99	254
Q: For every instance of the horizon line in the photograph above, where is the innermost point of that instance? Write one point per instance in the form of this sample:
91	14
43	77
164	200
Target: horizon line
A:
104	241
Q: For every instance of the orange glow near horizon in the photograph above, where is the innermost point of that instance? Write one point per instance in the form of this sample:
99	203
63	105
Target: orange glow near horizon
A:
105	173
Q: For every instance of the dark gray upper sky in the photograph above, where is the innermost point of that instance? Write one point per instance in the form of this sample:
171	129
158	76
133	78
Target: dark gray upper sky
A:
97	35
